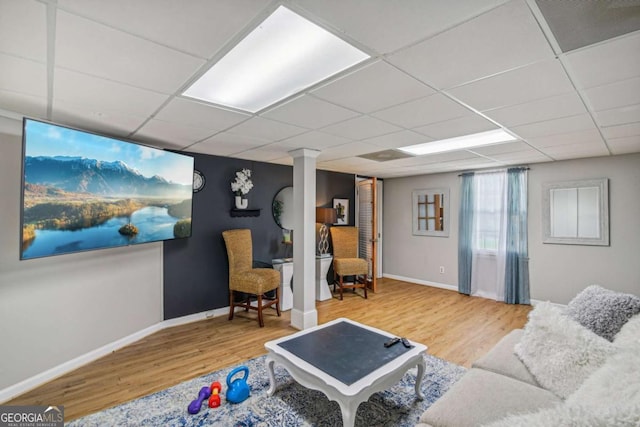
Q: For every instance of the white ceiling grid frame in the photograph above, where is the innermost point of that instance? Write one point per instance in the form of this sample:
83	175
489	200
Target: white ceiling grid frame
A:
83	45
194	27
374	87
565	63
508	30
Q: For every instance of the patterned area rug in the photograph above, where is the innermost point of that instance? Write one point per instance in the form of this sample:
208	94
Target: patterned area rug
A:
291	405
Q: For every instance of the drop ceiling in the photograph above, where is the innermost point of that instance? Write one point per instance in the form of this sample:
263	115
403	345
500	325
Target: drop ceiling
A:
562	77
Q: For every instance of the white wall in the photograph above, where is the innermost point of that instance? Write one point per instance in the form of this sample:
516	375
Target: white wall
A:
557	272
55	309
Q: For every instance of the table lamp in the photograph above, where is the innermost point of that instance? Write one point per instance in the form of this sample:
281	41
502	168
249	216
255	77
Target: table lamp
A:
324	216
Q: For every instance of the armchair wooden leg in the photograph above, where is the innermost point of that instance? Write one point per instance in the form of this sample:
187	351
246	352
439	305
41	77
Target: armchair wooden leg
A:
260	320
231	304
278	301
340	285
365	288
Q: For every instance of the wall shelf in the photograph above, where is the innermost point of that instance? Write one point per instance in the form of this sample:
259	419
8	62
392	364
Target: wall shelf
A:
244	212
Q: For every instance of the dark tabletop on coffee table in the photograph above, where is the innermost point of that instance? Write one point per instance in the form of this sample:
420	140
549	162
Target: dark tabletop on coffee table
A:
343	350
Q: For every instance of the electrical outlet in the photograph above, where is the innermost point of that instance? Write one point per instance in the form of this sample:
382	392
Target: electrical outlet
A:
442	269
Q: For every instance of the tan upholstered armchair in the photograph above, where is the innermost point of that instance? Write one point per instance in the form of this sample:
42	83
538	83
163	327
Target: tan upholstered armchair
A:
346	261
254	282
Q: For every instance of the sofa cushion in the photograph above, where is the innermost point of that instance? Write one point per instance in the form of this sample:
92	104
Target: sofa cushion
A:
609	397
602	310
558	351
573	416
502	359
629	335
482	396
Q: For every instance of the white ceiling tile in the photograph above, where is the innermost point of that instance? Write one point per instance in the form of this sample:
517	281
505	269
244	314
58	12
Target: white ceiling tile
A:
627	145
614	95
509	35
23	29
287	160
100	94
112	122
309	112
350	163
398	139
96	49
225	143
351	149
262	154
432	109
526	84
608	62
555	127
314	140
618	116
508	147
194	113
266	129
361	127
386	26
23	76
576	151
199	27
436	158
29	105
587	136
470	123
621	131
568	104
174	134
477	163
372	88
521	157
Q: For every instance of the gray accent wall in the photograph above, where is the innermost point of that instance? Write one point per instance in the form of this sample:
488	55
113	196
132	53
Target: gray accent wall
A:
557	272
196	269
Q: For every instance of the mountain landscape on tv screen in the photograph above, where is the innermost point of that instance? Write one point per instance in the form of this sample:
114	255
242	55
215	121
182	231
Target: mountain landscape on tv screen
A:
77	203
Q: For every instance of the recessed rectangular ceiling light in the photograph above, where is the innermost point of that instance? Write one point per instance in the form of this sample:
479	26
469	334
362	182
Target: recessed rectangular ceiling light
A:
481	139
284	55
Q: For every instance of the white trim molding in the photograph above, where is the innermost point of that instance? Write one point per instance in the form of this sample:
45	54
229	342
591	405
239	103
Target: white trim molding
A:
66	367
421	282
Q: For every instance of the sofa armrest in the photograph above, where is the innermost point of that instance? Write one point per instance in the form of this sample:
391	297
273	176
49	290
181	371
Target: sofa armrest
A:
502	360
481	397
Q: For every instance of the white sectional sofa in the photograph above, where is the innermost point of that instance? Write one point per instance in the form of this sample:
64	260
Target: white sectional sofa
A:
578	366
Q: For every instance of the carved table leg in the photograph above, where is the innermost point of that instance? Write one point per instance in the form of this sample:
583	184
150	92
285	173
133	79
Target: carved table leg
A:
420	374
272	378
349	410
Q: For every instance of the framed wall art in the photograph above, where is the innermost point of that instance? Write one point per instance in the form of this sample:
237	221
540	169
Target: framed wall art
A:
342	211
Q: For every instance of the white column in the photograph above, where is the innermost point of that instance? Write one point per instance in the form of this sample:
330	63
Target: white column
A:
304	314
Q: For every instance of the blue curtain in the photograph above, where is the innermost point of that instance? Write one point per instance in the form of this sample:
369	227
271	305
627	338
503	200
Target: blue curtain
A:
516	287
465	234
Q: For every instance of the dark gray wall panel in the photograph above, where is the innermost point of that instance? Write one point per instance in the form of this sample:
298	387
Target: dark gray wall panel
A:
196	269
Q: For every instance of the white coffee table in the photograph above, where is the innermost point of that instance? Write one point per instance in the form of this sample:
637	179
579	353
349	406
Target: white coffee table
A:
320	358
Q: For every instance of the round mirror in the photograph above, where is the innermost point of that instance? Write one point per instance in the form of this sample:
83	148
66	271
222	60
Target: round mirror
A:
282	208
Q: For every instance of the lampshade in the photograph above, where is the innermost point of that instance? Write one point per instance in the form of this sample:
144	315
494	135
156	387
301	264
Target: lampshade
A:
326	215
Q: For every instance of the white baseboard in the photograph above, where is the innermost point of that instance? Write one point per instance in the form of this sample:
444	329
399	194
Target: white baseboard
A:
57	371
535	302
421	282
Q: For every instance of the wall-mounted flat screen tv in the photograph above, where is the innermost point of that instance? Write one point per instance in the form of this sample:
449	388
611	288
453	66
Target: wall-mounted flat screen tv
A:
82	191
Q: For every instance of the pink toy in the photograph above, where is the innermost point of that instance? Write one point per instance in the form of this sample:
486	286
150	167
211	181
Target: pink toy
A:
204	393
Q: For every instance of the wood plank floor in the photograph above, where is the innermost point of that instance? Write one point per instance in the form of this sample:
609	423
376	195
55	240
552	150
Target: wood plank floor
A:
455	327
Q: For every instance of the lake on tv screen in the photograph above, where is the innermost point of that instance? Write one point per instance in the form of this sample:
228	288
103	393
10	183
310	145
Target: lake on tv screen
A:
153	223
